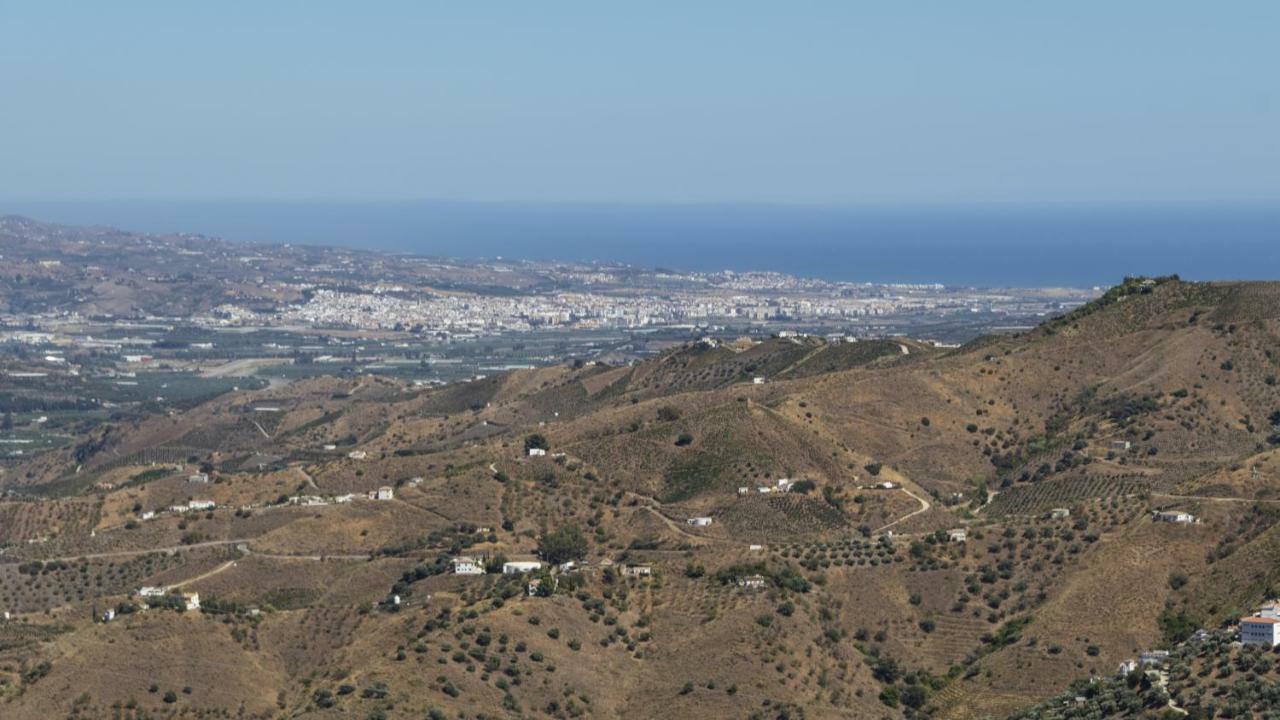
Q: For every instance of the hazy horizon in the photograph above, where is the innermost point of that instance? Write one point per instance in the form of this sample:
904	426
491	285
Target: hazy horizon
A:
982	245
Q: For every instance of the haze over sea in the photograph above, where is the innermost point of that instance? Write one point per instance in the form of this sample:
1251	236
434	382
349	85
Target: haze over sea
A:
991	246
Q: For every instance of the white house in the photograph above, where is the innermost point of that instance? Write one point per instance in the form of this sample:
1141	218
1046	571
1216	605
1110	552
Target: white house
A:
198	478
1260	631
699	521
957	535
638	570
179	509
1059	513
537	452
757	380
466	565
191	601
1119	445
148	591
109	615
518	567
1153	657
1173	516
383	493
755	548
751	582
344	498
1269	609
147	515
744	490
201	504
357	454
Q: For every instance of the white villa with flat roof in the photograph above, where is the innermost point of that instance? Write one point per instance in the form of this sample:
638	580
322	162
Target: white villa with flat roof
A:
467	565
1173	516
1260	631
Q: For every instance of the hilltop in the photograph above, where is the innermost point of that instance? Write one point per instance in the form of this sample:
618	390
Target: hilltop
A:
967	530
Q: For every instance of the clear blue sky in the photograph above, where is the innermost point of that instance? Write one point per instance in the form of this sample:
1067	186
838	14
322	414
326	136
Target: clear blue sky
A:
641	102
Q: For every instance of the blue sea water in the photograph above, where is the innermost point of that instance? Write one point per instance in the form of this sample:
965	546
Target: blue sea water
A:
991	246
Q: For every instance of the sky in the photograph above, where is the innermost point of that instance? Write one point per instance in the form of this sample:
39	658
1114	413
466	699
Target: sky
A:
719	101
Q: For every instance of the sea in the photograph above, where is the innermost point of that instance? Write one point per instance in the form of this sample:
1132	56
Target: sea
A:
979	246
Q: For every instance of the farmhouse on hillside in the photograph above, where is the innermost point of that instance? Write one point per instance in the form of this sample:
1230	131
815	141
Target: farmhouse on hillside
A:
1173	516
467	565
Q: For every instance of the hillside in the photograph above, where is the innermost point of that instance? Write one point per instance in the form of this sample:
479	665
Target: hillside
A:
848	596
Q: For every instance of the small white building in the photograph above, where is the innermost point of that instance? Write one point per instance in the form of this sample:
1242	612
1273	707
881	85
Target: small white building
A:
191	601
467	565
344	498
1260	631
755	548
757	380
638	570
1119	445
886	485
537	452
699	521
109	615
1153	658
751	582
519	567
1059	513
147	515
1173	516
150	591
179	509
957	535
202	504
200	478
1269	609
357	454
383	493
744	490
